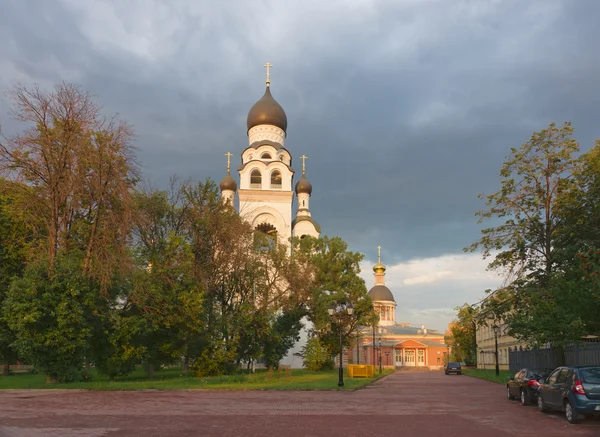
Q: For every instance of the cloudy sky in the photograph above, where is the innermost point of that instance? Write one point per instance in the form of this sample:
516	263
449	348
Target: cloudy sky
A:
405	108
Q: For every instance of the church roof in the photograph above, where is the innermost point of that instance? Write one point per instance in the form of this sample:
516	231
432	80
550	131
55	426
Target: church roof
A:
302	218
381	292
267	111
257	144
228	183
400	330
303	186
243	166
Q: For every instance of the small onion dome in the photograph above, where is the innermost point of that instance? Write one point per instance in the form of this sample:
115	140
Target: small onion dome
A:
228	183
303	186
379	268
267	111
381	292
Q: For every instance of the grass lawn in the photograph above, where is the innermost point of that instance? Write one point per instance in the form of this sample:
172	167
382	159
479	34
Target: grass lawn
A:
172	379
487	374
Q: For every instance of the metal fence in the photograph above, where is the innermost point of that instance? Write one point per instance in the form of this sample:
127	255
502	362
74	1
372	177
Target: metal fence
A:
578	354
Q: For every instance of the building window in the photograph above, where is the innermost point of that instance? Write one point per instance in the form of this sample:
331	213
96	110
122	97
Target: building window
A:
276	179
265	236
266	155
255	179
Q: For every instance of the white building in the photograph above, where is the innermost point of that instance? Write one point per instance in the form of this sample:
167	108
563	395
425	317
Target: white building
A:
265	192
265	197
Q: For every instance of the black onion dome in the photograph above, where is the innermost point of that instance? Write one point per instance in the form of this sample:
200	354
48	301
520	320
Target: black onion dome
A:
381	292
228	183
267	111
303	186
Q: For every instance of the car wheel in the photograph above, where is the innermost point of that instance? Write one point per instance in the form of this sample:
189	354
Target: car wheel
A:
541	404
508	394
459	373
570	413
524	397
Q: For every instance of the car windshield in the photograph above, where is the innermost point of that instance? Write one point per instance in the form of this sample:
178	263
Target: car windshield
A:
590	375
454	364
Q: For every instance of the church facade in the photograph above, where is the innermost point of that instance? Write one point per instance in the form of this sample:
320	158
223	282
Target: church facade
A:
266	192
393	344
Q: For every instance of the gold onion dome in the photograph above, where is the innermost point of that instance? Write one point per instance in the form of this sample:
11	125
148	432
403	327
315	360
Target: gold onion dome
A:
379	268
303	186
228	183
267	111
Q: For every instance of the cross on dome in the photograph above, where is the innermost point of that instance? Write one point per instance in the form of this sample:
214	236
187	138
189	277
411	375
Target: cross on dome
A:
268	66
303	157
228	155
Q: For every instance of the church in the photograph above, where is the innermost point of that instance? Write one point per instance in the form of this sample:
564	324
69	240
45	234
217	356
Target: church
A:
265	199
393	344
266	174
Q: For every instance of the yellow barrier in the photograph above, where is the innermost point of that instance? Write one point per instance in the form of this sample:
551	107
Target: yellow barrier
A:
361	370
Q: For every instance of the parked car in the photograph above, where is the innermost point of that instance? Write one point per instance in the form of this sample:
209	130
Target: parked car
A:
525	384
572	389
452	367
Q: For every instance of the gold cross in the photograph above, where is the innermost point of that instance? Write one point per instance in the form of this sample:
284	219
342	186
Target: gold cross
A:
268	66
228	155
303	158
379	254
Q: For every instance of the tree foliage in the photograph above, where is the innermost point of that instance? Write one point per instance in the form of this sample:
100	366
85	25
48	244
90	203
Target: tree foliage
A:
547	239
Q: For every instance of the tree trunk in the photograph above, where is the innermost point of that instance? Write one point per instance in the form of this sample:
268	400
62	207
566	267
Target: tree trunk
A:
5	369
150	370
186	365
51	379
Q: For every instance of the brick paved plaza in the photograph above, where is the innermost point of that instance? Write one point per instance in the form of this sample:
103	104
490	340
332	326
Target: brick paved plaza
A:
416	404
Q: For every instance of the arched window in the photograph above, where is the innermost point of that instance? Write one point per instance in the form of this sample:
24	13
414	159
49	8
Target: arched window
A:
276	179
255	179
265	236
266	155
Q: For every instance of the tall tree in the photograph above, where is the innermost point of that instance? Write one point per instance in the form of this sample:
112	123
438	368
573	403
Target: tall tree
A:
76	170
533	180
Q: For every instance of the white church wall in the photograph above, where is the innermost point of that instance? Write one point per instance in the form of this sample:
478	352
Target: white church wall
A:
305	228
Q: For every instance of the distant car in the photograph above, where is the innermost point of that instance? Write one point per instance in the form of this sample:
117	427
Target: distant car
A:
525	384
452	367
572	389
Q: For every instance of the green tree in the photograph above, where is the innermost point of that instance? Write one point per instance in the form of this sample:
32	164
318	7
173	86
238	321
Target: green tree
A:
462	334
336	279
12	263
533	182
52	317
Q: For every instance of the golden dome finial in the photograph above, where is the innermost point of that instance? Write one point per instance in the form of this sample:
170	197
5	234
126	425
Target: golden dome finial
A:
379	268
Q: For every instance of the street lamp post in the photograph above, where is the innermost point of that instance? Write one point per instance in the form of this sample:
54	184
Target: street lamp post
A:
337	311
496	330
380	370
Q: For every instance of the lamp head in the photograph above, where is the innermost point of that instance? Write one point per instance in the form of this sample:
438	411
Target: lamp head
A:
349	308
331	309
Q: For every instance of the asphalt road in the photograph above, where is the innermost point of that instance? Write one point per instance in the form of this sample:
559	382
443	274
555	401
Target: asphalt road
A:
415	404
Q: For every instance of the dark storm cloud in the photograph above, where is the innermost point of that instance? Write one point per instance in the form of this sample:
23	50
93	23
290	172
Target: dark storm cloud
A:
405	109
